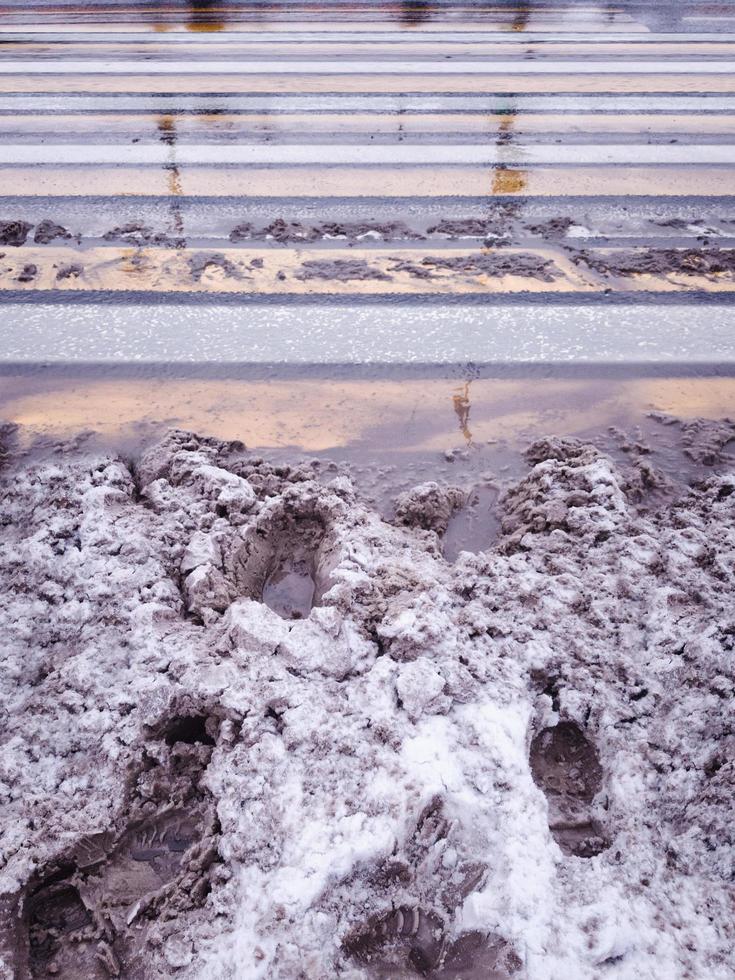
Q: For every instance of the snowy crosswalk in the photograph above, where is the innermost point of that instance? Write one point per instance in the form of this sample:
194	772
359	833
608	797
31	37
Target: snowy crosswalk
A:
337	149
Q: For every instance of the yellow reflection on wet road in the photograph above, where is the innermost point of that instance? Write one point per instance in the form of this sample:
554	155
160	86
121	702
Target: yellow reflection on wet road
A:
462	407
406	415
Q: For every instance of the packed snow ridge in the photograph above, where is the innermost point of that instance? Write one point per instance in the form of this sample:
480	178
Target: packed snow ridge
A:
251	730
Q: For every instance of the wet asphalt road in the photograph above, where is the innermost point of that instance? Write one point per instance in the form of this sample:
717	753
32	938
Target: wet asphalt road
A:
293	154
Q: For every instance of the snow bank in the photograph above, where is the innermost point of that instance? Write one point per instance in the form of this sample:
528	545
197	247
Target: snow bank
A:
518	765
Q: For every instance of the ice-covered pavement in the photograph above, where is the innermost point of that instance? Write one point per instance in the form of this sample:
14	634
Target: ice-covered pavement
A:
407	334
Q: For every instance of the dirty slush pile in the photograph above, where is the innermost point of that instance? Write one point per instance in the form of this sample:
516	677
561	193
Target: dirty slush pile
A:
252	730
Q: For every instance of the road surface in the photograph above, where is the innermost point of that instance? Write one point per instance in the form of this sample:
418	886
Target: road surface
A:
503	158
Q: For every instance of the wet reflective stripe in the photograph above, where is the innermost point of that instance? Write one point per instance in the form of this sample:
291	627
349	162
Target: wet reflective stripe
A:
360	333
346	67
393	104
340	34
313	127
334	154
443	85
406	183
233	47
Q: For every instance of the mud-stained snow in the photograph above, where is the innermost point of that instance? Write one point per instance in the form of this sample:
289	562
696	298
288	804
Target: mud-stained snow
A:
252	730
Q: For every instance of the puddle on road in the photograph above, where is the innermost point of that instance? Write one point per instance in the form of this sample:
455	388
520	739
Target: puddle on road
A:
167	134
520	18
389	433
205	16
281	562
200	16
413	13
475	526
462	407
508	180
290	590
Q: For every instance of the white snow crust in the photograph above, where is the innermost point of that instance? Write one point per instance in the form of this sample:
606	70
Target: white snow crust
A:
372	758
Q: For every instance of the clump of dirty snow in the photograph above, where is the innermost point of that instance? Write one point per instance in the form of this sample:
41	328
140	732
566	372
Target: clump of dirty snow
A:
252	730
429	506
